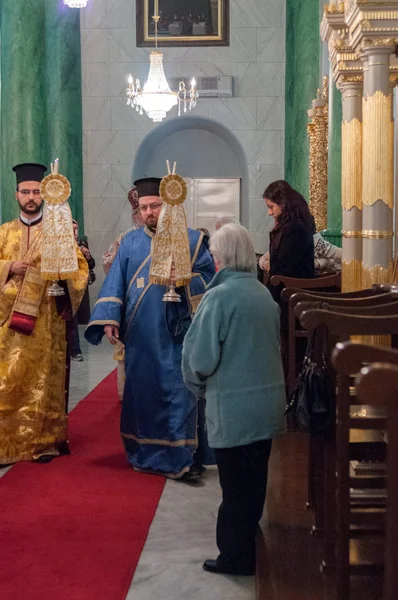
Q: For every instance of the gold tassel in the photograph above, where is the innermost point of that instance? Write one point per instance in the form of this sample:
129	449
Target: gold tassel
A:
195	301
165	281
60	276
119	353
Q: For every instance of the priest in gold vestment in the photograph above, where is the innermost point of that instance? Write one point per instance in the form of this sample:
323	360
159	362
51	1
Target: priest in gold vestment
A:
33	359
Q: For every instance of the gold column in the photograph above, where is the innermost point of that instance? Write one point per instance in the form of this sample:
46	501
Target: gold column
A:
318	134
378	167
351	88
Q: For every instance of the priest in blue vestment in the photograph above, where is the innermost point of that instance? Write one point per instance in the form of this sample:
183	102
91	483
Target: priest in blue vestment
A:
159	414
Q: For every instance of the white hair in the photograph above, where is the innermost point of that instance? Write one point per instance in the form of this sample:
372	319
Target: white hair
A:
223	220
232	247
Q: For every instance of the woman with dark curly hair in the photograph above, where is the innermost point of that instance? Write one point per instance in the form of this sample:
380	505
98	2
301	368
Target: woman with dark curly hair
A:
291	244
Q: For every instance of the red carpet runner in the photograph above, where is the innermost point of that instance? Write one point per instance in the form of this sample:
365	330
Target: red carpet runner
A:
74	529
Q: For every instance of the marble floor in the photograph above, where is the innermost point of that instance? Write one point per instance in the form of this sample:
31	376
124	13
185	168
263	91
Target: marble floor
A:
182	534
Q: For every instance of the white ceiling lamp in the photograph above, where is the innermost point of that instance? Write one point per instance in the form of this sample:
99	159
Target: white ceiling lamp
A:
156	98
76	3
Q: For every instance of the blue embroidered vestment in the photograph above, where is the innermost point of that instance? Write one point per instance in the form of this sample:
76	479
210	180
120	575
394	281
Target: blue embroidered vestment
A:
159	414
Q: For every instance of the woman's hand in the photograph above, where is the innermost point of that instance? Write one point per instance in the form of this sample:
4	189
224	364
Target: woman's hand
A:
112	333
264	262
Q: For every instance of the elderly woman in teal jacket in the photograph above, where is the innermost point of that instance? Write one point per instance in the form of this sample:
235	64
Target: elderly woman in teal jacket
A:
231	355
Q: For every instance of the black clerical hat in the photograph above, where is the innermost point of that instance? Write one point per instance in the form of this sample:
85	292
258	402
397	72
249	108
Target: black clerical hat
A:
148	186
29	172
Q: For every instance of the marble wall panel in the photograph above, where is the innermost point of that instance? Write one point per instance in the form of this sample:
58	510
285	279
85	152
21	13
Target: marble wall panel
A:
262	147
271	113
207	69
252	180
124	117
97	182
95	45
110	147
122	46
121	181
181	54
93	15
124	221
266	174
243	47
259	220
235	113
104	213
257	13
120	14
97	112
270	45
97	80
258	79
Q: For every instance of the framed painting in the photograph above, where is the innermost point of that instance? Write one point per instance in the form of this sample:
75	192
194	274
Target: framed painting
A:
183	22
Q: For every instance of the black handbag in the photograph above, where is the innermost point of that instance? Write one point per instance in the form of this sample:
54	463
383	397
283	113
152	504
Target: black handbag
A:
311	405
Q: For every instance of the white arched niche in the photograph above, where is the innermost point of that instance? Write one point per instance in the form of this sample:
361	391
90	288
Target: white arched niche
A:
203	149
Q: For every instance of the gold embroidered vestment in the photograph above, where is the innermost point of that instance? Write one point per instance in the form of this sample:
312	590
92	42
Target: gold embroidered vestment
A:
33	418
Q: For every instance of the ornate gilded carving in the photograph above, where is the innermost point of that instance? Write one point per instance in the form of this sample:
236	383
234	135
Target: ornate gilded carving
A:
351	79
318	134
377	43
366	25
351	275
378	145
332	8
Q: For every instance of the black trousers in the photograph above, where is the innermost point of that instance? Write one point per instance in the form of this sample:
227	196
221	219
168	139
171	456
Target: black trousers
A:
72	337
243	473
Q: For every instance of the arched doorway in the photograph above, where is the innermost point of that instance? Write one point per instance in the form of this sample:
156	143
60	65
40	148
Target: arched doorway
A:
203	149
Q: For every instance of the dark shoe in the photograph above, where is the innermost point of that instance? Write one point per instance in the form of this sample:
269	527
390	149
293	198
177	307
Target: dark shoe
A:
197	470
188	476
224	568
45	458
77	357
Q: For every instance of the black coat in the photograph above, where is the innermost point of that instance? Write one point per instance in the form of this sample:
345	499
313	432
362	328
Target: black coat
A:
291	253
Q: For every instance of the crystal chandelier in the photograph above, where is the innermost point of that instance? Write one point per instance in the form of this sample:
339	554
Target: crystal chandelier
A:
156	98
76	3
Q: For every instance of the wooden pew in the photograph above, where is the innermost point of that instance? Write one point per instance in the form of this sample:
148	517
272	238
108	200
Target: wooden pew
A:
342	326
376	385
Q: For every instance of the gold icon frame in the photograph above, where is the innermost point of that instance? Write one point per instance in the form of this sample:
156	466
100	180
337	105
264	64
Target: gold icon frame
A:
146	38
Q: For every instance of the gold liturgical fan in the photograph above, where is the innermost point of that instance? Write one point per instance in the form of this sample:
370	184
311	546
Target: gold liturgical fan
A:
58	261
171	247
173	191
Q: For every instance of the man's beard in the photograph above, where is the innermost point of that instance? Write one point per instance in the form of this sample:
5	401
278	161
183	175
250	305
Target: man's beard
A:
151	222
30	210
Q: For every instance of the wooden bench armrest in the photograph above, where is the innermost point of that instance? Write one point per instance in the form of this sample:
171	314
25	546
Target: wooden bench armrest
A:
316	282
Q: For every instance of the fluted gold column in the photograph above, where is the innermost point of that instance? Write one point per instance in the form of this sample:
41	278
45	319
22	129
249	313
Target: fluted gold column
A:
351	88
378	167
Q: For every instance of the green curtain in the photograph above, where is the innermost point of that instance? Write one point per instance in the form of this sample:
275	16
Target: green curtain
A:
41	115
333	232
302	81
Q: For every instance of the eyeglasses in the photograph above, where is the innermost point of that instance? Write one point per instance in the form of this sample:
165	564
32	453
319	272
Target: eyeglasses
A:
28	192
153	206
